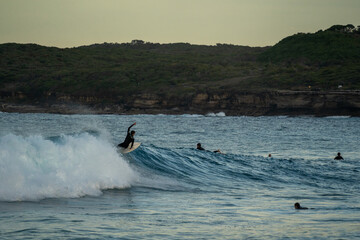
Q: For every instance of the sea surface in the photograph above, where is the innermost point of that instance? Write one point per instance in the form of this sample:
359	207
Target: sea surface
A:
62	177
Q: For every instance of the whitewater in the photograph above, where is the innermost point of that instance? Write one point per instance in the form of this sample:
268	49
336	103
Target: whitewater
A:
62	177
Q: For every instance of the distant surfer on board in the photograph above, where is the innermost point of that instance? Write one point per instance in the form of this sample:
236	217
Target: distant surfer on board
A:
129	138
297	206
199	147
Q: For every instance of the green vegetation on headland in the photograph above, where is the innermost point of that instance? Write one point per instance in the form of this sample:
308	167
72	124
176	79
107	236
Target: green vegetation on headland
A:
323	60
312	61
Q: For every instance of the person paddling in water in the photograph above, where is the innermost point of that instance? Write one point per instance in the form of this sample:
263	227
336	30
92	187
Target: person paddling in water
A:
129	138
297	206
199	147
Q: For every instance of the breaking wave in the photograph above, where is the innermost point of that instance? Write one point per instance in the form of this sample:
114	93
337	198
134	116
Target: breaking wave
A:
34	167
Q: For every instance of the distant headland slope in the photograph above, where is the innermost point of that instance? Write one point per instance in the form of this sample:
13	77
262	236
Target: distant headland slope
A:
142	77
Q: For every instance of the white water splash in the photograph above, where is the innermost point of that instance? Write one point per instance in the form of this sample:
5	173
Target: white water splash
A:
219	114
33	168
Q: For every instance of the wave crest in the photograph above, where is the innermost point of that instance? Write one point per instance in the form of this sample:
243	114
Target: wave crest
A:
33	168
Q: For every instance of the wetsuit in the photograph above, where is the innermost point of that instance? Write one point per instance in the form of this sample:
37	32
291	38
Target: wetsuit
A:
200	148
338	158
129	139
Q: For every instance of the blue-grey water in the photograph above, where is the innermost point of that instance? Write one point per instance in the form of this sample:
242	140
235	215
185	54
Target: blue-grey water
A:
61	177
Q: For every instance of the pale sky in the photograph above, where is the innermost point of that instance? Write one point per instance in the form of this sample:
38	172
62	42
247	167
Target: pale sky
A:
69	23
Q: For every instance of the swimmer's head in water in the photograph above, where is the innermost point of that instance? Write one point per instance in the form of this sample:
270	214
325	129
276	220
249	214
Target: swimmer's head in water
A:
297	205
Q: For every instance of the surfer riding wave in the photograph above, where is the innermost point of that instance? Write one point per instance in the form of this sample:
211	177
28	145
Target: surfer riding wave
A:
129	138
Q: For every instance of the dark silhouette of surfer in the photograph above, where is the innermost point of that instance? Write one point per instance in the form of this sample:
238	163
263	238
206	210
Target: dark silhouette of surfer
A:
199	147
297	206
129	138
338	157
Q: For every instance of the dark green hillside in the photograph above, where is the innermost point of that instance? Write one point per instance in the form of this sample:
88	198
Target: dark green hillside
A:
324	47
122	68
322	60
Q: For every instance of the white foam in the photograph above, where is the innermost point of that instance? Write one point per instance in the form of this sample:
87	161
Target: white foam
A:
219	114
33	168
338	117
191	115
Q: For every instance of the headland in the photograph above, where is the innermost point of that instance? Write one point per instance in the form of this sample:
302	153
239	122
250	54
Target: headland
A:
304	74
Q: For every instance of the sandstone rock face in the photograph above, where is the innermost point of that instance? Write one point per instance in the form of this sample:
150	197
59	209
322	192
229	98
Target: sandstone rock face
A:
263	103
239	103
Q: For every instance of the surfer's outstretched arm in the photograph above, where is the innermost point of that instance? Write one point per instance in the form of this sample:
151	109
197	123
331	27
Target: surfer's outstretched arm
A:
131	126
131	134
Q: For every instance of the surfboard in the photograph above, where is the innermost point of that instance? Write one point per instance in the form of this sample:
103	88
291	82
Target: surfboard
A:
128	149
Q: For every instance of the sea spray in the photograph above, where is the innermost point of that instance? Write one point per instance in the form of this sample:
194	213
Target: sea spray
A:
33	167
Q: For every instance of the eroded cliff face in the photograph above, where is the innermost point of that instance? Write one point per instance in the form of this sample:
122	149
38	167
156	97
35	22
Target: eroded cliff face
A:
259	103
239	103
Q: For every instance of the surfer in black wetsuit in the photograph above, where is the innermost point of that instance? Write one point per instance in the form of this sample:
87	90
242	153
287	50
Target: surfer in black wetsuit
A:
199	147
338	157
297	206
129	138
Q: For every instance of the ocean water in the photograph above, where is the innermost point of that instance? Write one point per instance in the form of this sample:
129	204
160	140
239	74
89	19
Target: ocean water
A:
61	177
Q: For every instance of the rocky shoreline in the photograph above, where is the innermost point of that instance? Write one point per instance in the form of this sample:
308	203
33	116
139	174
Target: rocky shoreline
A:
267	103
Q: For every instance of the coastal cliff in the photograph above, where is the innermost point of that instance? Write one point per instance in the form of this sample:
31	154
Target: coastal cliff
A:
291	103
